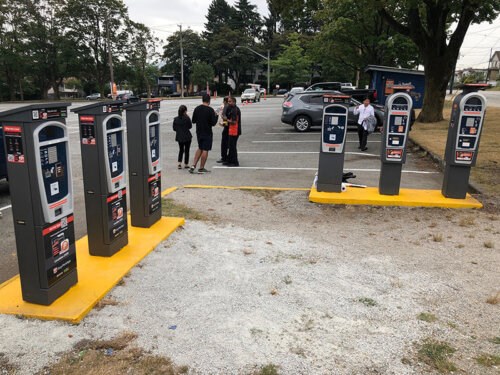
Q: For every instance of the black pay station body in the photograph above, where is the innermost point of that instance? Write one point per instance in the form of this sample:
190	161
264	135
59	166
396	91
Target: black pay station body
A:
143	126
464	132
397	121
41	191
102	141
333	137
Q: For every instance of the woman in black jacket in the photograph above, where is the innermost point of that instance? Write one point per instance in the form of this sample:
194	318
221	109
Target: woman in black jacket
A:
182	124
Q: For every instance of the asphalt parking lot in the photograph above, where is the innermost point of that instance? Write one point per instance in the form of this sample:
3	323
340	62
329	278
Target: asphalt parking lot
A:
271	154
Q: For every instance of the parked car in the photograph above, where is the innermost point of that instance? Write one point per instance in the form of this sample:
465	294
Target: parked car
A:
129	98
358	94
262	92
94	96
305	110
281	92
347	85
144	95
250	95
293	91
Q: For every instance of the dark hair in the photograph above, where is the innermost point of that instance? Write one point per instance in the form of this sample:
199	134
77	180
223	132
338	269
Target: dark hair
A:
205	98
182	110
226	99
366	98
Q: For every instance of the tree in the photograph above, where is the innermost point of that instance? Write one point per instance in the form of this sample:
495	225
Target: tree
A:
194	51
292	65
248	19
13	46
427	23
202	73
295	15
353	35
221	38
141	52
53	57
97	26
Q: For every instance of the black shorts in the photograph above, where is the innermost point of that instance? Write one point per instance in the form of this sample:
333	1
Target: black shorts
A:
205	142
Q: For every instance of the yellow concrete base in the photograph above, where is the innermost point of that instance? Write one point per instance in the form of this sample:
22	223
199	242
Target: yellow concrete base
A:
407	197
96	276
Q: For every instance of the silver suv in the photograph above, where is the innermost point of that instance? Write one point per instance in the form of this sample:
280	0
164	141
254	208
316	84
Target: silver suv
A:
305	110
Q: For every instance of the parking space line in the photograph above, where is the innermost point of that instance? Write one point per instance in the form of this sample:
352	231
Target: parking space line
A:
302	152
5	208
315	169
313	141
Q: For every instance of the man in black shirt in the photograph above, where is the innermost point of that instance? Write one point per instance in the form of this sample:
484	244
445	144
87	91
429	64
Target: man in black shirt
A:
205	118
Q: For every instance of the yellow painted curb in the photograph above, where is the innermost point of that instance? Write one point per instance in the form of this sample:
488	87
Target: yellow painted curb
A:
243	188
96	276
406	197
168	191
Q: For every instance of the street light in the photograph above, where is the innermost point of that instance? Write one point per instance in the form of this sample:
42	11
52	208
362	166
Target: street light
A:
268	58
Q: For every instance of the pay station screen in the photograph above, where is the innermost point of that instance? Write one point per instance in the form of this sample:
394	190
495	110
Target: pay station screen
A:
115	153
154	142
468	131
471	118
334	129
53	160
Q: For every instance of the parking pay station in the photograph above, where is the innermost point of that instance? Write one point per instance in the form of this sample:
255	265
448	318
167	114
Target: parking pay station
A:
464	132
102	141
333	137
398	108
41	190
143	126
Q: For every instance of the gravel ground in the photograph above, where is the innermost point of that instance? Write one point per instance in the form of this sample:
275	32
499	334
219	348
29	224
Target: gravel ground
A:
312	289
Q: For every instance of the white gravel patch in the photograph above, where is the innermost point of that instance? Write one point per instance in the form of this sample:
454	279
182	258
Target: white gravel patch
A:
319	299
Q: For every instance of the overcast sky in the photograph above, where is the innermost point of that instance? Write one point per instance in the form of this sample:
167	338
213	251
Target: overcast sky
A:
164	16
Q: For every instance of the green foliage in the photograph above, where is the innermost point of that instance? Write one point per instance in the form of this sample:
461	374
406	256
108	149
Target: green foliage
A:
428	23
202	73
353	36
488	360
292	65
193	51
436	354
427	317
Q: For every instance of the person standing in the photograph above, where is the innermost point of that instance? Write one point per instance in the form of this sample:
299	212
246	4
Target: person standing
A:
224	143
364	110
183	136
205	118
234	132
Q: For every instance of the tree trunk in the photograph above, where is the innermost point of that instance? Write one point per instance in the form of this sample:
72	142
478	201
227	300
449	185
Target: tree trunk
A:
21	90
438	71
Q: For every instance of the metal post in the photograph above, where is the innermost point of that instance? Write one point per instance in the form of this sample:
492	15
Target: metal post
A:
182	64
268	71
110	57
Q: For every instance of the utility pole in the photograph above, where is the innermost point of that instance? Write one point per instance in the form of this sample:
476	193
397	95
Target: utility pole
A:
268	72
489	62
110	57
182	64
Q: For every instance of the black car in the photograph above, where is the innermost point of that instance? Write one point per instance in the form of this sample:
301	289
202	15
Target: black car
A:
144	95
130	98
305	110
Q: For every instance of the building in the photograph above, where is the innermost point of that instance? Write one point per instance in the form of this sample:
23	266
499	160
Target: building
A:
65	92
383	78
167	84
